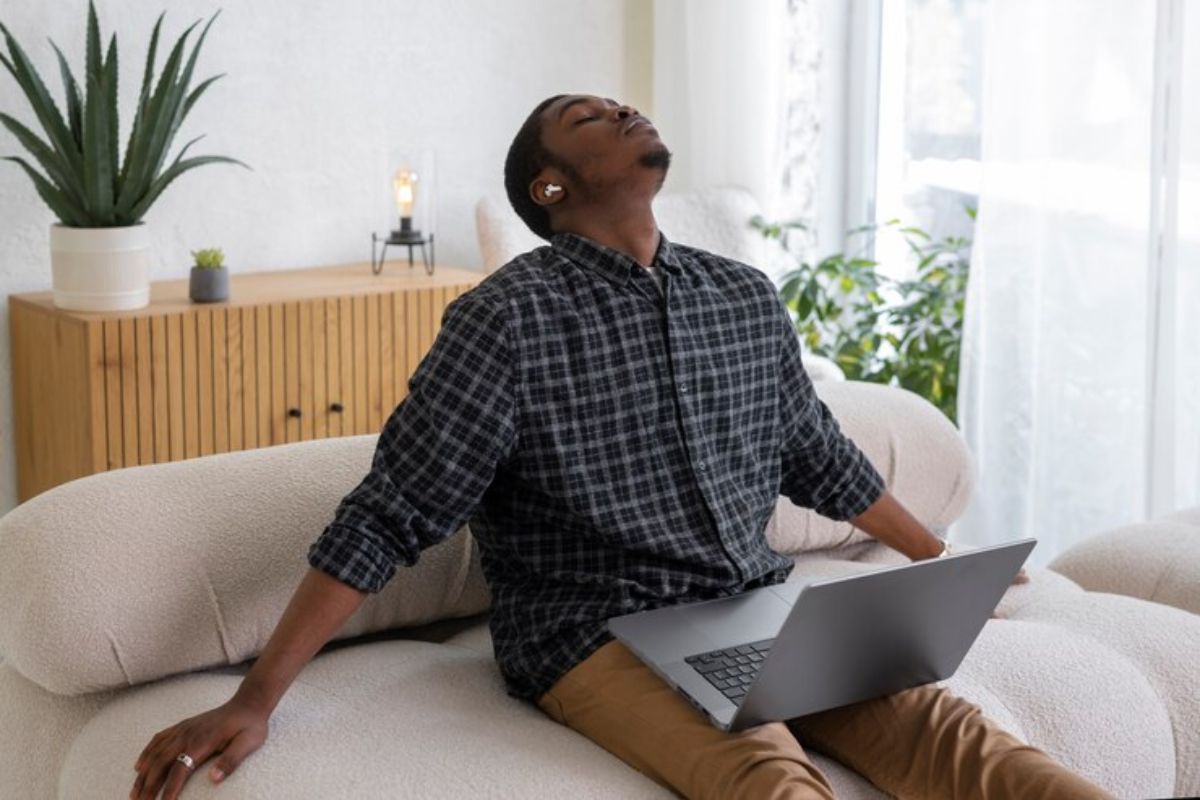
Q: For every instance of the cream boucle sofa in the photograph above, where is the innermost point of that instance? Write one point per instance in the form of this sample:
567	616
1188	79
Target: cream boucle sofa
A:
134	598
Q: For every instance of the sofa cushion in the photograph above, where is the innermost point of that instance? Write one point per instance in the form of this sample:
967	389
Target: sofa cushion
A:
918	451
1104	645
1157	561
134	574
1068	692
386	719
1060	677
1164	644
130	575
36	730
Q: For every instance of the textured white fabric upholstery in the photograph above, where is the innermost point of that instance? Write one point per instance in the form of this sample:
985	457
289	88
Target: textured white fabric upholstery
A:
129	575
418	720
413	718
1158	560
716	219
139	576
151	571
915	448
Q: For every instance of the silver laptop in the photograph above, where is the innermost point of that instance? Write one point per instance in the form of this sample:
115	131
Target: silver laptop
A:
803	646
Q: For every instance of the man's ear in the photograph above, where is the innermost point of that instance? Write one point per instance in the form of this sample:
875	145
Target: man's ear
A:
548	188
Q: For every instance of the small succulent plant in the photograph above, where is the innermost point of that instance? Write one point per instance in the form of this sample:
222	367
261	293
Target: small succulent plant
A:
209	258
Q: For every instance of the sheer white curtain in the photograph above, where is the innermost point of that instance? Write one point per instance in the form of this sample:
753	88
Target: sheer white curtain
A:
1079	391
719	67
736	98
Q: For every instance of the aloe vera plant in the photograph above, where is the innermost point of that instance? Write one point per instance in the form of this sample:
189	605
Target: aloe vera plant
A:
82	180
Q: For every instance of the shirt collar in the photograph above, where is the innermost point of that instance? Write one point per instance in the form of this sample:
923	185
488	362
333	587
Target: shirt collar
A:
613	264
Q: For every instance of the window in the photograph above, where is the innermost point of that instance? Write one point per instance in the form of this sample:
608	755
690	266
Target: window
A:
927	68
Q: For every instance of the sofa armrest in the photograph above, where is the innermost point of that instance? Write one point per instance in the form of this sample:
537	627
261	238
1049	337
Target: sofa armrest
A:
920	454
1158	560
820	368
134	574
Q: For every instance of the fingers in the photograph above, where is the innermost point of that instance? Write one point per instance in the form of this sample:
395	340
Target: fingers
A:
179	774
162	771
241	746
1020	577
151	763
229	732
155	741
176	777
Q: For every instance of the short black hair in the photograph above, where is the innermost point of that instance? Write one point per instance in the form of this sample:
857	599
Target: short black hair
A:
527	156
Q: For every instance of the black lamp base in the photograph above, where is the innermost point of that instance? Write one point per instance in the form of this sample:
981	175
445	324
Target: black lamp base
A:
405	237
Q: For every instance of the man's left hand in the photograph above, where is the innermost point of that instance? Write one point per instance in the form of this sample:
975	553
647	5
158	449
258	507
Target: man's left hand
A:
1021	577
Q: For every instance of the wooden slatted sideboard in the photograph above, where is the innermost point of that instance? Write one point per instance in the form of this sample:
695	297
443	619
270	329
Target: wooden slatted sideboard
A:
292	355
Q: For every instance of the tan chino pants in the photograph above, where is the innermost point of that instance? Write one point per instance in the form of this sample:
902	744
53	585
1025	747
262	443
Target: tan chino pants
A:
923	742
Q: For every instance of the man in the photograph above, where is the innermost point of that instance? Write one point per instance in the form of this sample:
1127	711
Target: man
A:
616	416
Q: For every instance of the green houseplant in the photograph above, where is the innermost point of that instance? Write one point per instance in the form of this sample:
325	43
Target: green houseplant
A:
208	281
100	248
900	332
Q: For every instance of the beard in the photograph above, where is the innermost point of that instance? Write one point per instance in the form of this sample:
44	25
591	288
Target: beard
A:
591	192
658	158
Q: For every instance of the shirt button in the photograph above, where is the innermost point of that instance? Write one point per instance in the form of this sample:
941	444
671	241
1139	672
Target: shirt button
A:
683	387
702	465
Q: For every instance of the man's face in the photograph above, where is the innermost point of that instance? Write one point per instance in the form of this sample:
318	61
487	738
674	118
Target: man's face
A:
605	142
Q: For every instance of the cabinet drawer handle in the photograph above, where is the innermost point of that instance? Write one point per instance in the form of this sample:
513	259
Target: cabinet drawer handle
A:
335	407
293	412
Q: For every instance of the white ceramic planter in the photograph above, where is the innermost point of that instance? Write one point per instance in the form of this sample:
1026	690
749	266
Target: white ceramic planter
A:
100	269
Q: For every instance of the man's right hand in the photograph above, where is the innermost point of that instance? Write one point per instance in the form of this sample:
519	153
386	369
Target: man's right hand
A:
318	609
231	732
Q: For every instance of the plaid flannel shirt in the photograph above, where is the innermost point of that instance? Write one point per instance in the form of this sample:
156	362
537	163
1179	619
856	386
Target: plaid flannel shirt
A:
613	447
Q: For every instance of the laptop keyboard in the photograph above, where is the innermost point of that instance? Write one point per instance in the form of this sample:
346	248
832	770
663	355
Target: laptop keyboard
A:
731	670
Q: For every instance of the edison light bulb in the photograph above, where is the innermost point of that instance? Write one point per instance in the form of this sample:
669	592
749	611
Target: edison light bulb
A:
404	182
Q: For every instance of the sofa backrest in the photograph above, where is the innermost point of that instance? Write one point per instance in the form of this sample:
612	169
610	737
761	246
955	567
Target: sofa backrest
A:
127	576
131	575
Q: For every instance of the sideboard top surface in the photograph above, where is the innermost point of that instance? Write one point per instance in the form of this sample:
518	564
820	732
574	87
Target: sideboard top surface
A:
276	286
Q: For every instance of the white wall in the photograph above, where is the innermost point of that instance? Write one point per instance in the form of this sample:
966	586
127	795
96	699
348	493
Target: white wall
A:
316	96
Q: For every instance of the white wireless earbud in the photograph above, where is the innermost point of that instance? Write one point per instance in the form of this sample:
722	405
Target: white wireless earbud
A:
551	188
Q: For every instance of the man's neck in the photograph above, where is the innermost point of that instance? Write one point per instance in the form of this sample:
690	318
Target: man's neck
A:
626	228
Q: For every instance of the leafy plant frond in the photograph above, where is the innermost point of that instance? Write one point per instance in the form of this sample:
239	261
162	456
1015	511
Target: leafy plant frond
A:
59	173
143	95
879	329
48	115
85	181
74	97
62	208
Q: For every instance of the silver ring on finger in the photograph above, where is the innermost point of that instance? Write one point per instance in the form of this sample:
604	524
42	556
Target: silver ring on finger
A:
186	760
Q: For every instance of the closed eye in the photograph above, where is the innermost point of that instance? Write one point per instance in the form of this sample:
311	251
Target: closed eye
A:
582	120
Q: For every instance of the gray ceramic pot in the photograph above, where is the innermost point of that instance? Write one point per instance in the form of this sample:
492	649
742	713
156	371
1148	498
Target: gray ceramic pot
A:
208	285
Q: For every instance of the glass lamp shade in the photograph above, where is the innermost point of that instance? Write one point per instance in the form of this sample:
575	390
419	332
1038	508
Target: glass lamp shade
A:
413	194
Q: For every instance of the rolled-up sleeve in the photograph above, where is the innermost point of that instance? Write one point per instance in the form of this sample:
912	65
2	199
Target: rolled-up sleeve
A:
822	468
436	455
